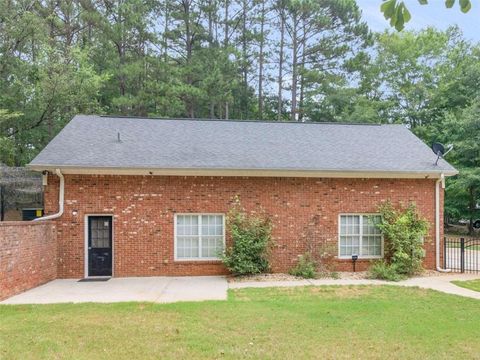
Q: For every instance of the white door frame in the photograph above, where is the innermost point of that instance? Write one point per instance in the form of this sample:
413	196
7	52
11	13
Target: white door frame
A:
85	244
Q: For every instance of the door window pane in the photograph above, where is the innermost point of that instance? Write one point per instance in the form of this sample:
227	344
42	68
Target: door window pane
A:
99	233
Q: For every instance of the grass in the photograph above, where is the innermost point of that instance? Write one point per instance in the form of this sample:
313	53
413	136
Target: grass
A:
469	284
290	323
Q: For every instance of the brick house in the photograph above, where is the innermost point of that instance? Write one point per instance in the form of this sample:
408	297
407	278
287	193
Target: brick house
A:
148	197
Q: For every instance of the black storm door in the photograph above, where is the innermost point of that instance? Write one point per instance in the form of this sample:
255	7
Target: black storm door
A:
99	246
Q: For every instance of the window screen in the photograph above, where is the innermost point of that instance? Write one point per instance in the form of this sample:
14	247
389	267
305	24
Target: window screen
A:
199	236
359	235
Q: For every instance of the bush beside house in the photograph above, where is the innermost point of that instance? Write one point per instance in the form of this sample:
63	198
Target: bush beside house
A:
404	231
251	240
305	268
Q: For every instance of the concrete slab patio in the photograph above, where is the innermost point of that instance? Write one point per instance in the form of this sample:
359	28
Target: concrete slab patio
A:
200	288
154	289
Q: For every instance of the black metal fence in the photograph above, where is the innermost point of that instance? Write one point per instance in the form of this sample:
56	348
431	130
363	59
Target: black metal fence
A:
461	254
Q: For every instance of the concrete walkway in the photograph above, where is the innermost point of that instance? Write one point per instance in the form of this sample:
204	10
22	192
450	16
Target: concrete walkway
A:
198	288
440	283
155	289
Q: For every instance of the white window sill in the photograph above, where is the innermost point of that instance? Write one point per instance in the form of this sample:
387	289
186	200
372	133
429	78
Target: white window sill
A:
196	259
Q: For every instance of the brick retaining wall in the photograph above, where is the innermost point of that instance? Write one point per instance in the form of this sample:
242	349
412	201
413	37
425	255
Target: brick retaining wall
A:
28	255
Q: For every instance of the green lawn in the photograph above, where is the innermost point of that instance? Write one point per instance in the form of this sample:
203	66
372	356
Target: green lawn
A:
469	284
294	323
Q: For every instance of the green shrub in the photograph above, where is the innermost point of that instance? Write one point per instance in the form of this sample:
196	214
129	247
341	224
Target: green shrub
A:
335	275
404	231
251	238
383	271
305	268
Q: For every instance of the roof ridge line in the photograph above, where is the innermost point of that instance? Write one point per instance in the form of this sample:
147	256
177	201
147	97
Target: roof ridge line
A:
242	121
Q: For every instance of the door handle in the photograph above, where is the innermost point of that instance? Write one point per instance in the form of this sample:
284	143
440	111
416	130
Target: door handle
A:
89	248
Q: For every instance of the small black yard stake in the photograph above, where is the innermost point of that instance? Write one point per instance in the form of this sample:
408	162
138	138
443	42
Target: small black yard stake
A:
354	260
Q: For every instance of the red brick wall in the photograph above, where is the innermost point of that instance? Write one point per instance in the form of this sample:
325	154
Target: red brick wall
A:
28	255
304	211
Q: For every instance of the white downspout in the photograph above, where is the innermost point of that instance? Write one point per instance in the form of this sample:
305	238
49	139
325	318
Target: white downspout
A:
61	195
437	223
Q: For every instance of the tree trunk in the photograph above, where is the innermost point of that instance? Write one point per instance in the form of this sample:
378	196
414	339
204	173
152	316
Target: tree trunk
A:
51	41
210	46
293	116
260	63
471	207
212	110
121	56
225	41
188	48
244	59
302	75
280	69
188	33
165	32
210	24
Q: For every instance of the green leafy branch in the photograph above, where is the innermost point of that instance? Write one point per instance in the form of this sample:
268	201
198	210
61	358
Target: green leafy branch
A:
398	13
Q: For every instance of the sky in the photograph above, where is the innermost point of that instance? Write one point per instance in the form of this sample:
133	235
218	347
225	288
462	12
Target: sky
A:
434	14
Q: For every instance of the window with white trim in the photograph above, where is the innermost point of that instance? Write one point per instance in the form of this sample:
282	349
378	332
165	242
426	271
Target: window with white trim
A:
360	236
199	236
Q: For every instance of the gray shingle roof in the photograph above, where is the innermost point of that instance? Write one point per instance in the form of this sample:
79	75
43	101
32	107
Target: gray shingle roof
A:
91	142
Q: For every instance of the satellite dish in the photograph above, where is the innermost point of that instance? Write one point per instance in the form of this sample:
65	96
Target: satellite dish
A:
438	149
